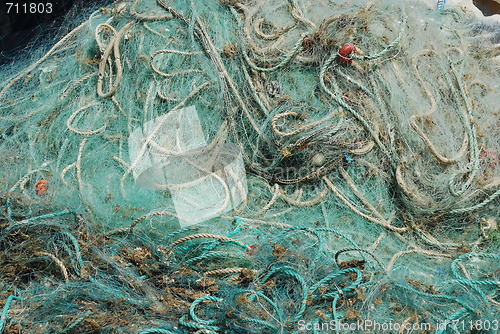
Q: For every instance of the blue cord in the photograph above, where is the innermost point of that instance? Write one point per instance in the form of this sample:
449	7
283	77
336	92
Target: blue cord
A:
5	310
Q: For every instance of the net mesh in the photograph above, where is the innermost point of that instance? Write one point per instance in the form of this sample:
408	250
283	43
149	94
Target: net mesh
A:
368	132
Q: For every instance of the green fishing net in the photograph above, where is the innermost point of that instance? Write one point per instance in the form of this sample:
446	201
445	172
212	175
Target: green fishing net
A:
254	167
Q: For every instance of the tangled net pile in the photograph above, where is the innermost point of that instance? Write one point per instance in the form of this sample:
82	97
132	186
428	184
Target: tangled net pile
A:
369	133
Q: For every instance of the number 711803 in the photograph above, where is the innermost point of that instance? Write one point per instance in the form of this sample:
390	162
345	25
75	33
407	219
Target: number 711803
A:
29	8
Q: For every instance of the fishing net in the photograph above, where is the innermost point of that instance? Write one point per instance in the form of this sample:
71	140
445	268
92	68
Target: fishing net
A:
254	167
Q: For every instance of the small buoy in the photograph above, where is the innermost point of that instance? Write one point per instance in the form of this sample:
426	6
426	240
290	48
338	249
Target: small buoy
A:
345	53
41	187
318	159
